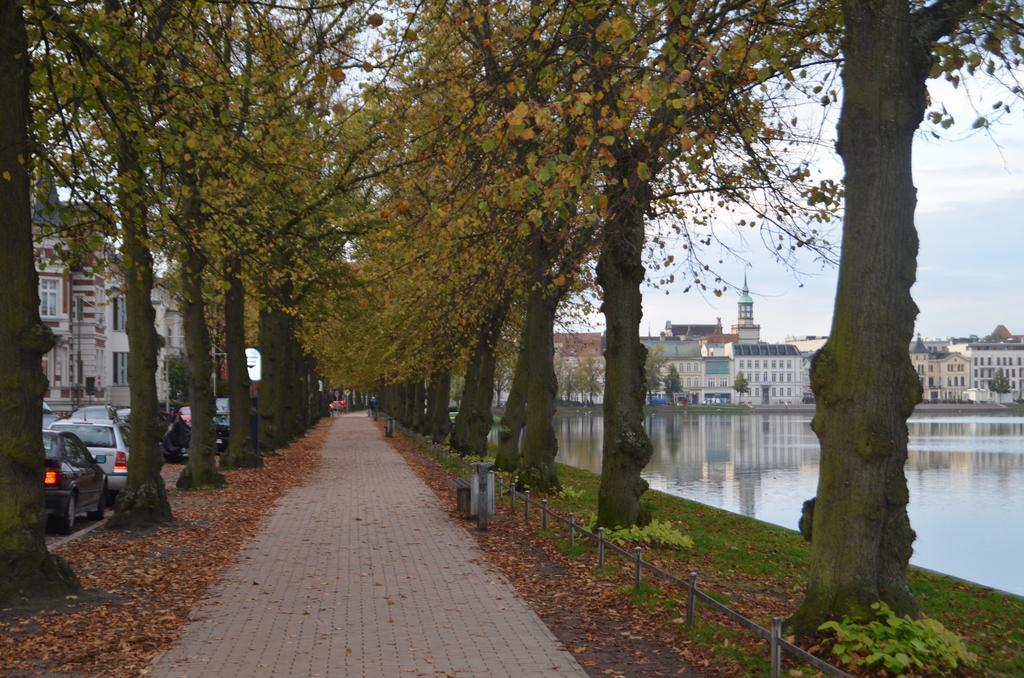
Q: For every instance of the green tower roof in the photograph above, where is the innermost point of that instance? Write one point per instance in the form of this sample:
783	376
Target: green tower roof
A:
745	297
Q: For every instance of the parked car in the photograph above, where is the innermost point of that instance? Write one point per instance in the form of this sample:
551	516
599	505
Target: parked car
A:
108	443
49	418
124	413
222	424
73	482
185	413
95	413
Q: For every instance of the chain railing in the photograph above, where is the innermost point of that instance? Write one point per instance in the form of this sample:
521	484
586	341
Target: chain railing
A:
777	645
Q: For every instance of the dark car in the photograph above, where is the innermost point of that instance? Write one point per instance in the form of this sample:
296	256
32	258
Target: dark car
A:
72	480
222	424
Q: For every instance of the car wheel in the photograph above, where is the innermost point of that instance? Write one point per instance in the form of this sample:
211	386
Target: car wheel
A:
101	505
67	521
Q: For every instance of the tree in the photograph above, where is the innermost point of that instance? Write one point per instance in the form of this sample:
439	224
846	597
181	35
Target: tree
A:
673	384
863	379
1000	383
26	568
592	376
654	365
740	384
177	377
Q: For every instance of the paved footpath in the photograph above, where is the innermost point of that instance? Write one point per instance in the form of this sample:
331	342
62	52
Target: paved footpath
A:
360	573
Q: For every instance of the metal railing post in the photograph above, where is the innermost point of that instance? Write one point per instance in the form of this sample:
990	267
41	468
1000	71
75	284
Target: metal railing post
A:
512	495
637	580
572	529
600	547
776	650
544	513
501	486
526	507
691	600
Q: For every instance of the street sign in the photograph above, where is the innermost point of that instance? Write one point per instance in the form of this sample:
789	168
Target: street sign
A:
252	362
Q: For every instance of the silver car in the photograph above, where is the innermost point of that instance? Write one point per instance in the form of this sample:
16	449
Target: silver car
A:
108	443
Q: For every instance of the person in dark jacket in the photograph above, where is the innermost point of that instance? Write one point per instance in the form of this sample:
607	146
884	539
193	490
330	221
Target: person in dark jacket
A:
174	444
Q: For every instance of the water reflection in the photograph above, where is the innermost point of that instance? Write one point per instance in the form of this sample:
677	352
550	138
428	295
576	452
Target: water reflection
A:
966	478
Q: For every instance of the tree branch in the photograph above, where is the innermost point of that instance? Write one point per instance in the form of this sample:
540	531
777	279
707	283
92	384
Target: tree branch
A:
940	19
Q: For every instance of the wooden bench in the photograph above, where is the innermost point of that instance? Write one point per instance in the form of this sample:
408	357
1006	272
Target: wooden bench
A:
462	495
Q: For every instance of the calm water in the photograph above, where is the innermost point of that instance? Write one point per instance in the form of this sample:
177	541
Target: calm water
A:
966	477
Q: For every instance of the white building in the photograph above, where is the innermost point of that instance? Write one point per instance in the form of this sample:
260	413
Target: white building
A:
775	373
987	358
169	327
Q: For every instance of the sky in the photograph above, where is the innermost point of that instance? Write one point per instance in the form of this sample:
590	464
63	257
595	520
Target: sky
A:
970	215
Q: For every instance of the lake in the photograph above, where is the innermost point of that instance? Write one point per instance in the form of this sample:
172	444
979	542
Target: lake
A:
966	477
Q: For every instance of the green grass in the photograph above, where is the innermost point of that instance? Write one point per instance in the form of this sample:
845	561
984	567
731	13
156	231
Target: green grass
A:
739	558
1016	408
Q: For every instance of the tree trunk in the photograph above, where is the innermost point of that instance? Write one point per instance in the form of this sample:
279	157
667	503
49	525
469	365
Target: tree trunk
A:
627	449
479	419
440	393
863	380
537	466
460	427
419	418
239	453
282	386
514	419
201	470
26	568
143	502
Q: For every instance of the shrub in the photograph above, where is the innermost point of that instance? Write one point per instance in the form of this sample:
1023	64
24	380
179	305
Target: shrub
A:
654	532
898	644
571	493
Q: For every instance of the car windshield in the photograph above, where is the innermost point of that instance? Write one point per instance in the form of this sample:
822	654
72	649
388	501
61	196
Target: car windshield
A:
222	420
92	436
50	446
187	411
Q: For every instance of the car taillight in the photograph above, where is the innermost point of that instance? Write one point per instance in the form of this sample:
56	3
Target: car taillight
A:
120	462
51	478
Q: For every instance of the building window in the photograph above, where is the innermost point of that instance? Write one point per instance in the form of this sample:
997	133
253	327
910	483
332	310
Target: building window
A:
120	375
120	314
48	297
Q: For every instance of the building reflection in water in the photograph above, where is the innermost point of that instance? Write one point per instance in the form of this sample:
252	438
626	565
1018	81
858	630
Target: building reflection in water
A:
966	478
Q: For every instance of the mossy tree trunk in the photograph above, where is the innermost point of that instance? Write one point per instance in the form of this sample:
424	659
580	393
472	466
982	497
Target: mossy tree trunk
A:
865	385
419	418
143	501
240	452
282	386
26	568
475	409
540	446
514	419
460	427
440	393
201	470
620	273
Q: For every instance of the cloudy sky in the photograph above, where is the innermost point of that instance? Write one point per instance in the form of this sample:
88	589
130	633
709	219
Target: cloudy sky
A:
971	265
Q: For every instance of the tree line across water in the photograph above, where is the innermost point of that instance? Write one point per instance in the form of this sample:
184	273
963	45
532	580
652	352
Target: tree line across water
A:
396	199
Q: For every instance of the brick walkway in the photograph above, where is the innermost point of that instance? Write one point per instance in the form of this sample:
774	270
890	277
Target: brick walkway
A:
360	573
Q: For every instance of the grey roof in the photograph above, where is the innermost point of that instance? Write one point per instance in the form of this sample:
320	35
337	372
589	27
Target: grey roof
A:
765	349
672	348
919	346
695	331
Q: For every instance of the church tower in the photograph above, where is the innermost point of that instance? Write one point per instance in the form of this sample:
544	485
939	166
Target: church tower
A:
748	332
